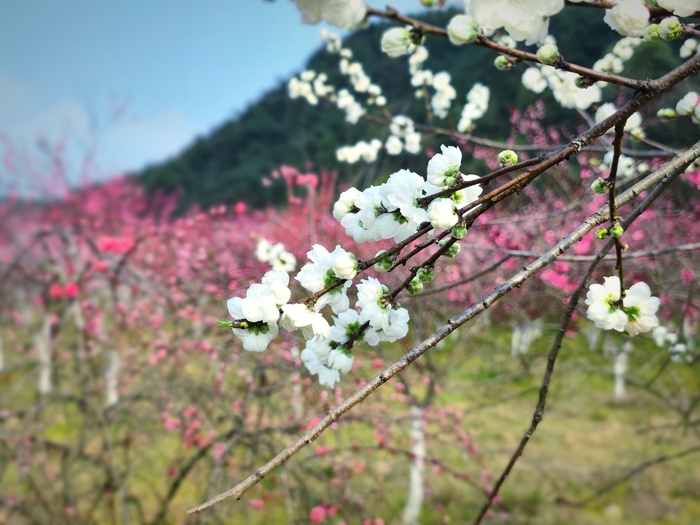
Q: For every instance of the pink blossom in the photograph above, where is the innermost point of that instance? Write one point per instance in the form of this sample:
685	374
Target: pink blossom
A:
257	504
317	515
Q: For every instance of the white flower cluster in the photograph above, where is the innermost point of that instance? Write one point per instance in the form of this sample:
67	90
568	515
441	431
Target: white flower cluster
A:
393	209
475	108
424	78
633	122
444	94
345	14
379	320
663	337
636	313
363	150
614	62
402	136
563	86
260	310
304	86
266	307
628	17
276	255
522	20
359	80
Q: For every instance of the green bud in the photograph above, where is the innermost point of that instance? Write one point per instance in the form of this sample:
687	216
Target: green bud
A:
601	233
503	63
384	264
414	286
548	54
670	28
452	250
584	82
599	186
426	275
459	232
666	113
616	230
427	3
651	33
507	157
226	324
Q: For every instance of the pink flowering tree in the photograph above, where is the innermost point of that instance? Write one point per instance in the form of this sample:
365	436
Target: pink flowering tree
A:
114	307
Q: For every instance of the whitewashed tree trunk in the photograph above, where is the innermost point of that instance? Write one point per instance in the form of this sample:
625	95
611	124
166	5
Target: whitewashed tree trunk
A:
592	335
112	378
524	335
297	400
416	487
42	342
689	332
620	369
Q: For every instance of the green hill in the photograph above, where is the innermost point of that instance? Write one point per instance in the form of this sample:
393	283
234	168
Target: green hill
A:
229	163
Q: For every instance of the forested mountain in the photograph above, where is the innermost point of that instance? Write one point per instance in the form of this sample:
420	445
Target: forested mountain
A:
229	164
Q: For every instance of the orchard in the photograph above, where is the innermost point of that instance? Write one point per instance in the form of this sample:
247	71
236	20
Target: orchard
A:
500	331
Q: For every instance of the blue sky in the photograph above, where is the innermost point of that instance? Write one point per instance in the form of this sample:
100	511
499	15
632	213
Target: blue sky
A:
179	67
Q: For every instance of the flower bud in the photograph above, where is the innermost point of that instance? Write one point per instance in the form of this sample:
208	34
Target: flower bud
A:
599	186
584	82
458	232
601	233
345	265
670	28
396	42
462	29
616	230
666	113
452	250
504	63
651	33
384	264
507	157
426	274
414	286
548	54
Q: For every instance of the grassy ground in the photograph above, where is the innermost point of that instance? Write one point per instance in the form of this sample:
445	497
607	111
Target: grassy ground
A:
587	441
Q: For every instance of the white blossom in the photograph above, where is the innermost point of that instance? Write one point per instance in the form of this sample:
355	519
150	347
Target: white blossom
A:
680	7
601	309
628	17
299	316
636	314
277	282
522	19
686	105
396	42
444	167
462	29
340	361
344	14
442	214
345	203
